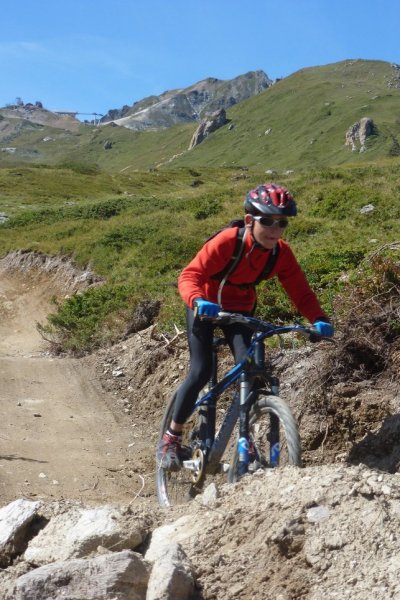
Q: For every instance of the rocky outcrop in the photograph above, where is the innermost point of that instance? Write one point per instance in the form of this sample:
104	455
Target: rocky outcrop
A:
80	531
113	575
207	126
357	134
86	554
190	104
15	522
331	530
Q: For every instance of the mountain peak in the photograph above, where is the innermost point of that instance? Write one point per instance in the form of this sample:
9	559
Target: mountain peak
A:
188	104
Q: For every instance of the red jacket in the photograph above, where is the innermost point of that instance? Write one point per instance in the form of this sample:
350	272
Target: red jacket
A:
195	280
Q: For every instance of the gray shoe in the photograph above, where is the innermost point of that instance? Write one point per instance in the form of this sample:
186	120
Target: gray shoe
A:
168	452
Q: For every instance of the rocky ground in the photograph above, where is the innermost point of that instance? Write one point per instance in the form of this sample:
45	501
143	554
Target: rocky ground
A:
329	530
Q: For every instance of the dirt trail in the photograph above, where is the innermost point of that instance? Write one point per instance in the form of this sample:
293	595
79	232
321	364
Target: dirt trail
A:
61	436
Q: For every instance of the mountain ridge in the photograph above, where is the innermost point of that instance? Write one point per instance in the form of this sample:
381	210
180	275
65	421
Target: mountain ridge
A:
190	104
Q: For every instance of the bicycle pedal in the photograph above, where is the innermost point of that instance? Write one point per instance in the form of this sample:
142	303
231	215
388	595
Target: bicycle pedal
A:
191	465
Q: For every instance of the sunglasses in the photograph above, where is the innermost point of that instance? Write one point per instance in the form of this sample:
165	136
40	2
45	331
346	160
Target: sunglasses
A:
269	222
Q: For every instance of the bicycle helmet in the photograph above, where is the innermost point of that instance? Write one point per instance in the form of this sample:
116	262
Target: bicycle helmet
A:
270	199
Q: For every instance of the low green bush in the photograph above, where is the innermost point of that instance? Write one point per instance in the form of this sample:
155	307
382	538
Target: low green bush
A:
90	319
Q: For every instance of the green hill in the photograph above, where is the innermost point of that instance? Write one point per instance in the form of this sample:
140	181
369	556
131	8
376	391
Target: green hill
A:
306	116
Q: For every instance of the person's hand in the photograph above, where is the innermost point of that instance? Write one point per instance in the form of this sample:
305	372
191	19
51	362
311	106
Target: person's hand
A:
204	308
324	328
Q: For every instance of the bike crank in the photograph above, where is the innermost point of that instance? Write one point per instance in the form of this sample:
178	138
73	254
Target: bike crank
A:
195	465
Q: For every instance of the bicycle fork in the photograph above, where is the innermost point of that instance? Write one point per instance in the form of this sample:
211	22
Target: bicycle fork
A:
243	441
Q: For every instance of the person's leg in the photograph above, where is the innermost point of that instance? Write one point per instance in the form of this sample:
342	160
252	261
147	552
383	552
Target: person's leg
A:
200	336
239	338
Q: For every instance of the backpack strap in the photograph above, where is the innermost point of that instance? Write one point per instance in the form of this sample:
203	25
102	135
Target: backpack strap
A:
234	259
269	264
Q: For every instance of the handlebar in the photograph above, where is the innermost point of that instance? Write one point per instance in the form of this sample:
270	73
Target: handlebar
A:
265	328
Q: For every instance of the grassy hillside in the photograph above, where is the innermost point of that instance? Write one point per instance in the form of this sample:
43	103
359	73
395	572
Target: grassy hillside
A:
139	229
130	150
307	114
138	211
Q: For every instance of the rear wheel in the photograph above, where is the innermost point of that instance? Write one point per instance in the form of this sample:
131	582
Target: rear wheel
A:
274	436
179	487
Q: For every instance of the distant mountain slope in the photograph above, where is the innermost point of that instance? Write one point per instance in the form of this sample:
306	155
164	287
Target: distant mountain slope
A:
189	104
40	116
300	122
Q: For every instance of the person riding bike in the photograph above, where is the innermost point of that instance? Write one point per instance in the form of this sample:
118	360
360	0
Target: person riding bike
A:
267	208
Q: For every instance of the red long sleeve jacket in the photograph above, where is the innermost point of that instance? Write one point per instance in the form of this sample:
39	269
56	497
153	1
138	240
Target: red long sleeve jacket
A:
196	280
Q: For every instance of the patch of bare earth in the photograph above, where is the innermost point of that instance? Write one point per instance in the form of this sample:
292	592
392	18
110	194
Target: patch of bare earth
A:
62	435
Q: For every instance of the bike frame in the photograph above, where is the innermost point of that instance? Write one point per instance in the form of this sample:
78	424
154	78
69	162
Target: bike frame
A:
253	365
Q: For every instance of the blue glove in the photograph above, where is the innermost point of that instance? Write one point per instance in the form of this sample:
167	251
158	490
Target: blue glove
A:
323	328
204	308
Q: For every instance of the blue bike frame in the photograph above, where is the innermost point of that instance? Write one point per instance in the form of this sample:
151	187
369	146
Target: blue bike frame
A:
215	444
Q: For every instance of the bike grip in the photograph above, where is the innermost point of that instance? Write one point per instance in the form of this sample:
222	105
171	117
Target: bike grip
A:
196	307
206	308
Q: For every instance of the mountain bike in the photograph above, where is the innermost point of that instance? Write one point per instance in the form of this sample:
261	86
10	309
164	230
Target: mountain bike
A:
268	434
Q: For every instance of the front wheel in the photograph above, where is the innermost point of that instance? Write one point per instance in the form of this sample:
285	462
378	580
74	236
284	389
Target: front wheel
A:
274	437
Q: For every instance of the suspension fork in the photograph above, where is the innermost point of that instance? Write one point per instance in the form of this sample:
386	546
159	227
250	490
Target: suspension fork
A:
243	442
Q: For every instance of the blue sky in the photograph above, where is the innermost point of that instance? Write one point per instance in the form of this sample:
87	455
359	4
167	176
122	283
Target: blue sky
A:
87	56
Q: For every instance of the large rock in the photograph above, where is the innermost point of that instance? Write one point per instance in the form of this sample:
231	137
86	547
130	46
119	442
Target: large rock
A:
79	532
120	575
207	126
15	522
357	134
178	532
171	577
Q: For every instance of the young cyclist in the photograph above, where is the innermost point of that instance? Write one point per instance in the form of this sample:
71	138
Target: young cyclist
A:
205	292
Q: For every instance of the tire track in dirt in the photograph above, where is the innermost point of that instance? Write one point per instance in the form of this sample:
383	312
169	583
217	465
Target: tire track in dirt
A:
60	437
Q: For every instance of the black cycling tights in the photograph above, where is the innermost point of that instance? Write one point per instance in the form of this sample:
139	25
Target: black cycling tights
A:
200	337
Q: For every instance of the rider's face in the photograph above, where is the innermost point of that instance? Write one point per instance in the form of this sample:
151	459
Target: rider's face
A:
266	236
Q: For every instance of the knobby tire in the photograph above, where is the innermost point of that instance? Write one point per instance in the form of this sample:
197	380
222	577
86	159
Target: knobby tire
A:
267	412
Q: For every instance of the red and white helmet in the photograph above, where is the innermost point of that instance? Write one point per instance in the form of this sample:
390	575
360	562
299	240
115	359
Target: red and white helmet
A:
270	199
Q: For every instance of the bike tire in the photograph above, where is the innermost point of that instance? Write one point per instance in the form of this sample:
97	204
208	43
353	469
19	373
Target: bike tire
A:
177	487
267	412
